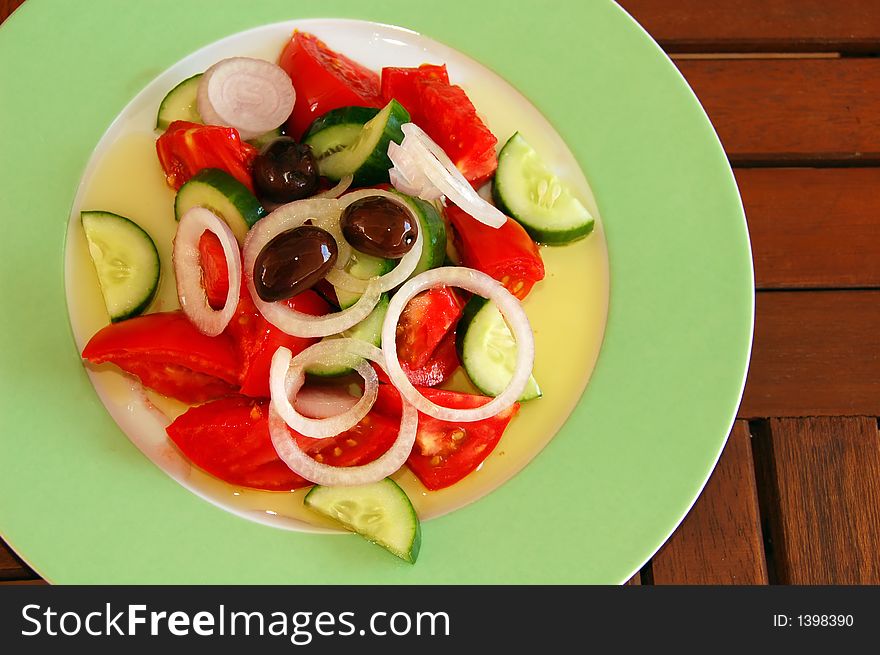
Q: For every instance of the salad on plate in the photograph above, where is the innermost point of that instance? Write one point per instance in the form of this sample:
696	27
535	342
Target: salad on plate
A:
351	254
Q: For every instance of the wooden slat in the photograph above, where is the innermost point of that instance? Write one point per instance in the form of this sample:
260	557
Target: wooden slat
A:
799	111
821	476
760	25
815	354
720	541
813	228
12	568
7	7
636	580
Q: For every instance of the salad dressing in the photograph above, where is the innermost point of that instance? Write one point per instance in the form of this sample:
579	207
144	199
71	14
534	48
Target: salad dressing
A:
567	310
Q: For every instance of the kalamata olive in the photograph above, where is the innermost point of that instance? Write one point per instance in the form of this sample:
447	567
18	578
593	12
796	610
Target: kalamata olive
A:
285	171
294	261
380	227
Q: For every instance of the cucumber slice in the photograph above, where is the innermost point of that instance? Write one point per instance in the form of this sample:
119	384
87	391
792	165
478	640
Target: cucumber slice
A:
222	194
528	191
379	512
180	104
126	261
369	330
363	155
363	267
433	233
488	350
346	122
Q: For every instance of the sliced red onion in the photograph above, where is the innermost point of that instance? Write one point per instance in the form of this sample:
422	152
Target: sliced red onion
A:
399	274
511	310
287	375
340	188
289	216
252	95
188	271
300	463
418	160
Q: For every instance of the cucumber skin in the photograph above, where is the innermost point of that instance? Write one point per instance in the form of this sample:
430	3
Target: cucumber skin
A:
236	193
162	122
539	235
374	168
341	116
415	546
323	371
142	306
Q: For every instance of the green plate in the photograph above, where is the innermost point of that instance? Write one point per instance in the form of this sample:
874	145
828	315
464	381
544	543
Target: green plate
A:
81	504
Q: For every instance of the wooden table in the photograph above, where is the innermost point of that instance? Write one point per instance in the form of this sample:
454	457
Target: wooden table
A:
793	88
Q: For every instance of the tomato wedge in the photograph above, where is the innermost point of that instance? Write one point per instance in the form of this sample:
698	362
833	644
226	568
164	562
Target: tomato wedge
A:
229	438
169	355
446	113
439	367
215	272
446	452
427	318
186	148
507	254
324	80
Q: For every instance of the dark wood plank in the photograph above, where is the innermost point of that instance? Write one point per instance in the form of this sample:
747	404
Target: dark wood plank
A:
12	568
720	541
761	25
7	7
815	354
636	580
813	228
822	479
799	111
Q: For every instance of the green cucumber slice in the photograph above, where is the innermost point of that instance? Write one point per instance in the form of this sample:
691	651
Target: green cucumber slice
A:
225	196
363	267
369	330
433	233
180	104
528	191
379	512
488	350
363	154
126	261
343	121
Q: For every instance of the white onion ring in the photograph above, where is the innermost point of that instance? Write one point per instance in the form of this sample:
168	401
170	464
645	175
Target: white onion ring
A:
398	275
511	310
301	464
188	270
287	375
279	314
340	188
252	95
419	159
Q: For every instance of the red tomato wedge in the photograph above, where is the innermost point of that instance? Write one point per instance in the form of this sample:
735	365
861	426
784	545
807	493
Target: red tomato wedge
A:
186	148
507	254
404	85
439	367
447	452
258	339
427	318
324	80
169	355
229	438
446	113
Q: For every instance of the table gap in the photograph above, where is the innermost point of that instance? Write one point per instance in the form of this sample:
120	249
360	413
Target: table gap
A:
768	504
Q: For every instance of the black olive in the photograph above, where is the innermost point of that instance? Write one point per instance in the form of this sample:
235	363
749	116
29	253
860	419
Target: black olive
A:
380	227
294	261
285	171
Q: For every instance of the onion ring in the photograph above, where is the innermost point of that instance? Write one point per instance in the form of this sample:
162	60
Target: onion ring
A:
287	375
188	271
279	314
252	95
511	310
340	188
301	464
